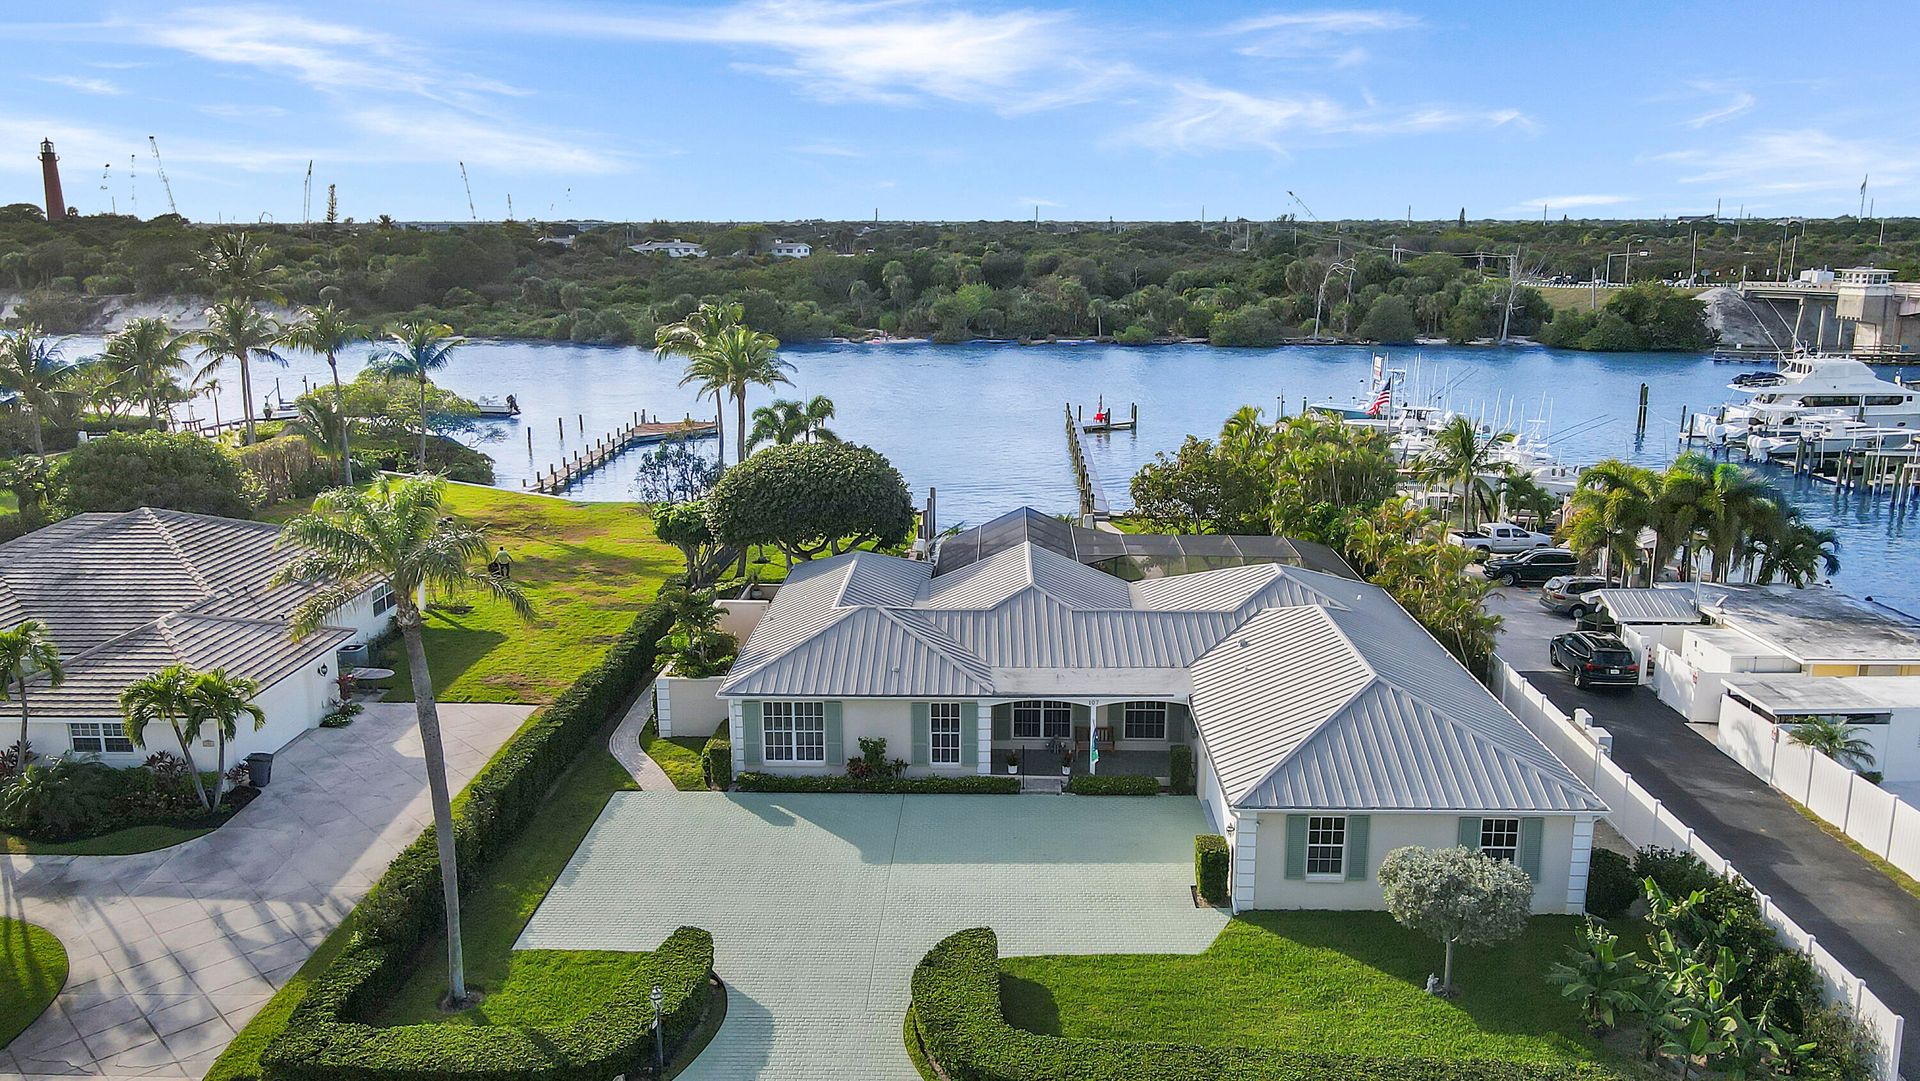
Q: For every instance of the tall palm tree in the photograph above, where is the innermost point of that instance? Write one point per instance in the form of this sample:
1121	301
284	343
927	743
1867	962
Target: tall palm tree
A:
220	700
149	355
31	370
1685	501
1613	503
237	331
1837	740
1795	552
415	351
27	650
239	268
691	335
730	360
1461	458
326	330
1741	502
398	532
163	696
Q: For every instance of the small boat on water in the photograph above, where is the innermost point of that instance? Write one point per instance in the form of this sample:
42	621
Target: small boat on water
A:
495	409
1826	438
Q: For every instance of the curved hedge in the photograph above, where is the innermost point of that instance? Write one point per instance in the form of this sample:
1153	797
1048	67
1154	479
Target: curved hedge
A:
956	1012
325	1041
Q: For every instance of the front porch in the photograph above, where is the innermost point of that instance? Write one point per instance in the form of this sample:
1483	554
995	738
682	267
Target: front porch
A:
1041	761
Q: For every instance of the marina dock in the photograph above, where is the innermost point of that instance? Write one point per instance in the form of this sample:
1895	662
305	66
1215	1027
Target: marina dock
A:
1093	500
557	478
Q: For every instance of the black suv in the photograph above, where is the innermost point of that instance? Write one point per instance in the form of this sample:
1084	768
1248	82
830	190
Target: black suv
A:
1531	568
1594	659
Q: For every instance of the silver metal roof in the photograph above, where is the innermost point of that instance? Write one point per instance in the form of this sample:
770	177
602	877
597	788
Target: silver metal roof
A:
1631	606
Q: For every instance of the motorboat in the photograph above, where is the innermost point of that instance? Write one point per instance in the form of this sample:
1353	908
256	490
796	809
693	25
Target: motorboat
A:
496	409
1826	387
1826	438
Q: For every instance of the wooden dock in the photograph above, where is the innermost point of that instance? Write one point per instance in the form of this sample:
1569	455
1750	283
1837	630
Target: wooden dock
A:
556	479
1093	501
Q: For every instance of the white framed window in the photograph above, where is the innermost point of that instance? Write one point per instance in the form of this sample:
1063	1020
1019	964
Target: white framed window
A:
1042	720
794	731
1326	846
382	600
1500	838
1144	720
943	733
89	737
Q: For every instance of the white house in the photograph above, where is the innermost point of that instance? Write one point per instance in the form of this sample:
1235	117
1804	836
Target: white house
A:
1885	711
1326	726
672	249
128	594
790	249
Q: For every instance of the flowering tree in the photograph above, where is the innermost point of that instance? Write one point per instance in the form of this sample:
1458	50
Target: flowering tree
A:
1456	895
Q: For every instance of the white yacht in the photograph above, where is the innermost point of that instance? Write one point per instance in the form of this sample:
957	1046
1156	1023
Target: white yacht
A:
1824	438
1820	388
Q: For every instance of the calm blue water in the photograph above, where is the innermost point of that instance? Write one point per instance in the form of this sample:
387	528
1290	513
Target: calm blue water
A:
983	422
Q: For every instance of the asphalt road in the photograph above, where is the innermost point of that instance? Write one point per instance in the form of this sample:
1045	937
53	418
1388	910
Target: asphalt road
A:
1856	912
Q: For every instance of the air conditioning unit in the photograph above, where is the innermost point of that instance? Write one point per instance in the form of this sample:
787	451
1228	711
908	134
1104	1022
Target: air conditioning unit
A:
353	656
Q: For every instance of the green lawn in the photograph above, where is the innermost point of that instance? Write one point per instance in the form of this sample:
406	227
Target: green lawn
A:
124	842
587	567
33	968
1342	982
680	757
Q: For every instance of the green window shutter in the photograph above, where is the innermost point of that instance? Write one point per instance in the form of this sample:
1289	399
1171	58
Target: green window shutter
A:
836	748
1176	722
1356	861
922	733
1470	834
1296	846
1003	720
750	732
969	735
1531	830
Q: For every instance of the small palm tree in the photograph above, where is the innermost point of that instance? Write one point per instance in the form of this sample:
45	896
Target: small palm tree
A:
415	351
323	423
789	421
220	700
237	331
163	696
1461	458
398	532
31	370
1836	739
1614	502
239	268
326	330
27	650
148	355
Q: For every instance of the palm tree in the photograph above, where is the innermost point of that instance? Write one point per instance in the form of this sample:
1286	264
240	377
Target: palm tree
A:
1836	739
398	532
814	416
326	330
1461	457
1740	503
237	331
26	651
147	354
789	421
1793	551
219	699
163	696
724	356
415	351
1613	503
1685	501
323	423
239	268
31	369
691	335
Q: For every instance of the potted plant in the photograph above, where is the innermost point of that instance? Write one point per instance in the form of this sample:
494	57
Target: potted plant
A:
1066	764
1013	762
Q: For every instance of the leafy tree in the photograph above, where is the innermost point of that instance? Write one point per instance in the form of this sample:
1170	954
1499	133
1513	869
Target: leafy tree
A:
1456	896
1202	488
811	498
124	471
1389	321
31	369
147	355
1832	737
218	699
674	472
325	331
684	525
415	351
237	331
399	533
165	697
27	650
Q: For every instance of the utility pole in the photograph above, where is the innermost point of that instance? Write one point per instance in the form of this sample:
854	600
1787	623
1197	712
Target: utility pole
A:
133	190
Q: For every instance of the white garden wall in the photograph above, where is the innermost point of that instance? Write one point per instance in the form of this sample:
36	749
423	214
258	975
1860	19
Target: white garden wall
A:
689	707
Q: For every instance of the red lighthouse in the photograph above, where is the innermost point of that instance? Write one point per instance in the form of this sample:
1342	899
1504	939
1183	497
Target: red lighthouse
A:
50	170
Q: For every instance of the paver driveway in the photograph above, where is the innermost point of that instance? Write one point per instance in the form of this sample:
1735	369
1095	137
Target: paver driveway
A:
171	952
820	905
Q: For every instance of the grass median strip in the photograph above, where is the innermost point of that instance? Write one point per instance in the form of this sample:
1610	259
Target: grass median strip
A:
679	757
33	969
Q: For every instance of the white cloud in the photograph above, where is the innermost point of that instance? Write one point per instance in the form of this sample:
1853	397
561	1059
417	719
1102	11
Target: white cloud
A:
1311	34
85	86
828	150
1032	201
1202	116
410	135
1563	203
1740	102
1798	161
237	111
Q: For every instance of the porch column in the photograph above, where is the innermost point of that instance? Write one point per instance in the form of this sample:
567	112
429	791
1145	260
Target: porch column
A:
1579	863
983	738
1245	828
737	736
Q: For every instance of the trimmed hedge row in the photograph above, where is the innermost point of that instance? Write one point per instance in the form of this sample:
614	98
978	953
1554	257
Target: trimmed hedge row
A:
716	763
969	785
324	1042
956	1012
1180	769
1116	785
1211	862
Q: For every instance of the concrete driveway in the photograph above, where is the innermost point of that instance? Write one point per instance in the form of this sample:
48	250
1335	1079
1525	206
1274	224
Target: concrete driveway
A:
820	905
172	952
1869	923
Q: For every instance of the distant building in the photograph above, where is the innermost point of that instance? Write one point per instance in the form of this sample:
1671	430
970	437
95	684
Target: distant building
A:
563	241
672	249
791	249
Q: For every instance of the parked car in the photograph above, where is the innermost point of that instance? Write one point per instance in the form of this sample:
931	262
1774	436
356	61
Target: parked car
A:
1594	659
1569	593
1531	568
1496	538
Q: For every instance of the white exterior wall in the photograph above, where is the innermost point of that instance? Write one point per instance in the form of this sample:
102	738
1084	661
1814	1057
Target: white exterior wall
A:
689	707
740	617
885	718
1273	889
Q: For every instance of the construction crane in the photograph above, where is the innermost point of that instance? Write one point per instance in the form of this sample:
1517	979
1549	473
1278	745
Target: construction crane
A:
161	168
471	212
1303	204
106	178
306	197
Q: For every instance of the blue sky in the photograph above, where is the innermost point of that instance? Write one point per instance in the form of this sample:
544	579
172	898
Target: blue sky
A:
771	109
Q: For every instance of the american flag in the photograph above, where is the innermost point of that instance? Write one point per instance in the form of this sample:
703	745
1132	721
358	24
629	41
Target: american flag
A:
1382	399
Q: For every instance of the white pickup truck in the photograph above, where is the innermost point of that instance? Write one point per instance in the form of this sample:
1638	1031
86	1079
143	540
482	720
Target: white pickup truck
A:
1499	538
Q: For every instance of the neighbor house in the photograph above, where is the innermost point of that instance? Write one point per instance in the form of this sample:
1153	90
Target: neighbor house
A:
790	249
127	594
672	249
1325	725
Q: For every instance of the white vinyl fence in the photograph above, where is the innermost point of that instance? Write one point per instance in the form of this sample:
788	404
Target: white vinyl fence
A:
1643	821
1875	818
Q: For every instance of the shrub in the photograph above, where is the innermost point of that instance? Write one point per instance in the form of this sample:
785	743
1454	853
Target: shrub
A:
284	467
1611	885
873	763
1211	861
1180	770
717	761
968	785
1093	785
955	1011
120	472
1676	872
